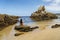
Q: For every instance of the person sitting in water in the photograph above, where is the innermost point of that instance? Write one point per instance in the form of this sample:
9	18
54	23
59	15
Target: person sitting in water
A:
21	22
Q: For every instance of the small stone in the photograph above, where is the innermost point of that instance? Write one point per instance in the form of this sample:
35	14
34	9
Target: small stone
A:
17	34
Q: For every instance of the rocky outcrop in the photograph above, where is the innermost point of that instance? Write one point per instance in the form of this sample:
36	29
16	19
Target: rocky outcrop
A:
25	28
56	26
41	14
6	20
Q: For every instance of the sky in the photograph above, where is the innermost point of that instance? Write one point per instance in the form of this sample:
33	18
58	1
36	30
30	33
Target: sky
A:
27	7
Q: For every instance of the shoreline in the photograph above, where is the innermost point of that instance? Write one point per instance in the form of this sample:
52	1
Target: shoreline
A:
37	34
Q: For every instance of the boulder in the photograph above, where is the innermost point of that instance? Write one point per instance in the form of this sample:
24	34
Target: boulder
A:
6	20
56	26
25	28
10	19
41	14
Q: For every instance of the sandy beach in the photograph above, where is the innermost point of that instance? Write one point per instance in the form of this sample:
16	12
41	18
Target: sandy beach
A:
44	32
49	34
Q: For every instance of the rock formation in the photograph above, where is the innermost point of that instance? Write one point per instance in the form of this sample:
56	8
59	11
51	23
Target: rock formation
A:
6	20
25	28
56	26
41	14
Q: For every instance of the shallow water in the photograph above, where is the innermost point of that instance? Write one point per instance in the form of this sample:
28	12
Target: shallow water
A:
8	33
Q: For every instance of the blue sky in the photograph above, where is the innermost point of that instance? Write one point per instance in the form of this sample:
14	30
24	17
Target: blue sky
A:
26	7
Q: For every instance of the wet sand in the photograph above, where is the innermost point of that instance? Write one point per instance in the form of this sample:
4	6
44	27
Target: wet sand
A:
48	34
44	32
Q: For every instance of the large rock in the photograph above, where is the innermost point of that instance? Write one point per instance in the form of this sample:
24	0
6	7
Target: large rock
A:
6	20
25	28
41	14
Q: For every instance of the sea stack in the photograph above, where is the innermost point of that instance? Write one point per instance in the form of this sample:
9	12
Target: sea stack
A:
42	14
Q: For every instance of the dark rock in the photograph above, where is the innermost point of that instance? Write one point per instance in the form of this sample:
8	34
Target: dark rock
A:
6	20
35	27
56	26
10	19
17	34
25	28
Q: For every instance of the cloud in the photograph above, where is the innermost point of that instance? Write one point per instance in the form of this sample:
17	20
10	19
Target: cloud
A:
55	9
54	5
47	0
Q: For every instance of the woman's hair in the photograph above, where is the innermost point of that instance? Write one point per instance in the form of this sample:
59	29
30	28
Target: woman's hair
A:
21	22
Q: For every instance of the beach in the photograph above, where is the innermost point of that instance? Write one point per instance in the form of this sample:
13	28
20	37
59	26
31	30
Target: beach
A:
29	19
44	32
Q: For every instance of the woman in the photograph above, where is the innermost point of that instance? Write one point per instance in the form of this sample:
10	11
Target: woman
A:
21	22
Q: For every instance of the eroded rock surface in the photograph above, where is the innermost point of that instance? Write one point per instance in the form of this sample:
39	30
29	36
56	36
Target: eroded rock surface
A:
42	14
6	20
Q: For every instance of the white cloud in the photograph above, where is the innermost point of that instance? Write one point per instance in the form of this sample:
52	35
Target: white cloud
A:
47	0
53	6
